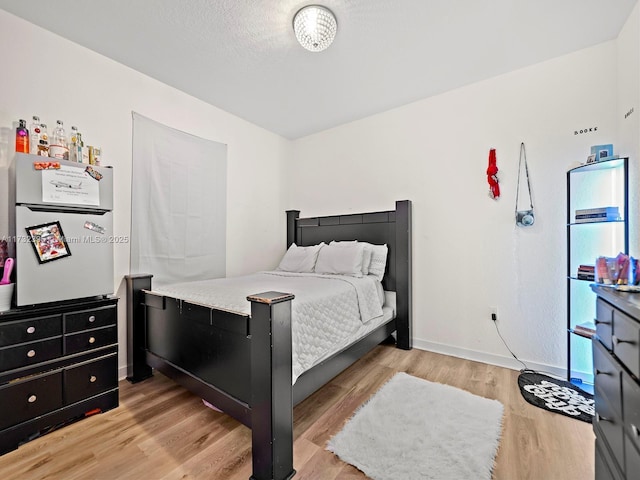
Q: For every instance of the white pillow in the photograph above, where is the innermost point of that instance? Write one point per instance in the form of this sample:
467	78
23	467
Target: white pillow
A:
366	253
343	259
378	262
300	259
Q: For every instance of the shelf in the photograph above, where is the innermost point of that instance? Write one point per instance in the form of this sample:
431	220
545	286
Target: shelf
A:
573	224
582	385
599	185
590	167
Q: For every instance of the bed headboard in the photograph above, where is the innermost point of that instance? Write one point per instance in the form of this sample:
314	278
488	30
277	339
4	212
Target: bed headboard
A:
392	227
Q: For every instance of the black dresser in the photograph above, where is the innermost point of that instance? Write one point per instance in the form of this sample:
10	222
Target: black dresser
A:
58	364
616	363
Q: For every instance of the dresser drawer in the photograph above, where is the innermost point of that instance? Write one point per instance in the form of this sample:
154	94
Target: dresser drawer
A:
625	339
631	408
607	376
604	465
609	426
29	399
604	322
30	353
29	330
91	378
632	458
98	317
89	339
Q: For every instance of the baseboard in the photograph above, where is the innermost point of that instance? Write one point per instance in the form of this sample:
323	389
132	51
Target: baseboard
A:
491	359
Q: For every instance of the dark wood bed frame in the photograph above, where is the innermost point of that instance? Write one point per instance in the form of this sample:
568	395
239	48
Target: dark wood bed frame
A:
241	363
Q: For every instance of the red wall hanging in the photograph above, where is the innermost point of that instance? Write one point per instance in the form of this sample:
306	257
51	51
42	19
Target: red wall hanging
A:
492	175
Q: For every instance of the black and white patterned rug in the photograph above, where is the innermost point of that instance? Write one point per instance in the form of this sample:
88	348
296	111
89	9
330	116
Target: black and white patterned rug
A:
556	396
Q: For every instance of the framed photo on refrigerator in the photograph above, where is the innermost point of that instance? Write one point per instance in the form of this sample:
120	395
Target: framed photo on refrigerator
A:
48	242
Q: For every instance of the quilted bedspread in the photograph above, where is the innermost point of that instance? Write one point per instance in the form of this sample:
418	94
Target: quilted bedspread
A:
328	311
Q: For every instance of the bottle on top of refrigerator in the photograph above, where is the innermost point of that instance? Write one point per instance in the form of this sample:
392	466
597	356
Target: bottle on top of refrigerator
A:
94	155
73	145
34	137
22	137
83	152
58	145
43	143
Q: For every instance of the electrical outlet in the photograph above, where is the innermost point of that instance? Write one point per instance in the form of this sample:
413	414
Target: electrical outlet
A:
493	313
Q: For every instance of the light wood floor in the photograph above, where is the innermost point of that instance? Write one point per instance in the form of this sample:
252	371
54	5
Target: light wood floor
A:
160	431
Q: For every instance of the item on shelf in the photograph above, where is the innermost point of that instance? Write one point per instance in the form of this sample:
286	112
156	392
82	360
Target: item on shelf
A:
586	329
6	294
6	274
43	142
94	155
602	152
73	145
22	137
634	276
34	138
613	270
601	214
58	147
586	272
4	252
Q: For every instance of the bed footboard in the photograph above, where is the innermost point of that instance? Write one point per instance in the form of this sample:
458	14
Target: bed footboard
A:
249	356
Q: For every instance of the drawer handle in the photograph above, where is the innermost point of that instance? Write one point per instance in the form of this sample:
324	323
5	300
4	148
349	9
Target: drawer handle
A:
31	330
600	372
31	353
92	318
600	418
597	322
634	430
32	399
92	339
618	341
93	378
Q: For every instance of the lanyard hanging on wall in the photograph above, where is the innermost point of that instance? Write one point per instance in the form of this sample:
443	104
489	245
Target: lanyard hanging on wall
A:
524	218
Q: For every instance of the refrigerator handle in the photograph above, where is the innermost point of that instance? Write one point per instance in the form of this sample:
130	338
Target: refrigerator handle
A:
53	208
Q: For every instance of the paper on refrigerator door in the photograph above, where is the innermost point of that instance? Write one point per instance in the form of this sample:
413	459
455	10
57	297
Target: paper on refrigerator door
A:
70	185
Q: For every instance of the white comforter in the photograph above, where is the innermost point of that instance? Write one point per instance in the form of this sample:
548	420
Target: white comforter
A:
327	312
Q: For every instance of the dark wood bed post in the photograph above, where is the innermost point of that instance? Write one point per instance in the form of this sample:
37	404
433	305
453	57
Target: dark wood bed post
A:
292	216
137	368
271	389
403	275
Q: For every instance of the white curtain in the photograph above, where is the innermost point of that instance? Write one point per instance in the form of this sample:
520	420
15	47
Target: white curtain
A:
178	204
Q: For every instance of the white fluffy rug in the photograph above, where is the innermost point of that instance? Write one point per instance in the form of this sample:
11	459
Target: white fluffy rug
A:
415	429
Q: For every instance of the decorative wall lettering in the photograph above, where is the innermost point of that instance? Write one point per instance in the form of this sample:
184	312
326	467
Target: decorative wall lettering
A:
585	130
626	115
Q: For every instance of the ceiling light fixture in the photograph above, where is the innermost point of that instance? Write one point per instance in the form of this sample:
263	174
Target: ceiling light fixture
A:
315	27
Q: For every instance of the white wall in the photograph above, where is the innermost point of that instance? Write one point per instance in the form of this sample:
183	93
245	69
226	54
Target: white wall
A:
468	254
628	115
46	75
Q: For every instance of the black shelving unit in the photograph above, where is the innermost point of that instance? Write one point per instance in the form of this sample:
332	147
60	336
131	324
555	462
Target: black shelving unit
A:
594	185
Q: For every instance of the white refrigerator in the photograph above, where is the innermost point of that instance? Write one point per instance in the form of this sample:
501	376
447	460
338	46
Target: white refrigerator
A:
61	219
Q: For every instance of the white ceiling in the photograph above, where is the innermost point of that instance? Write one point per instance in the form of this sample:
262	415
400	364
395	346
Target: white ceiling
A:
242	55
